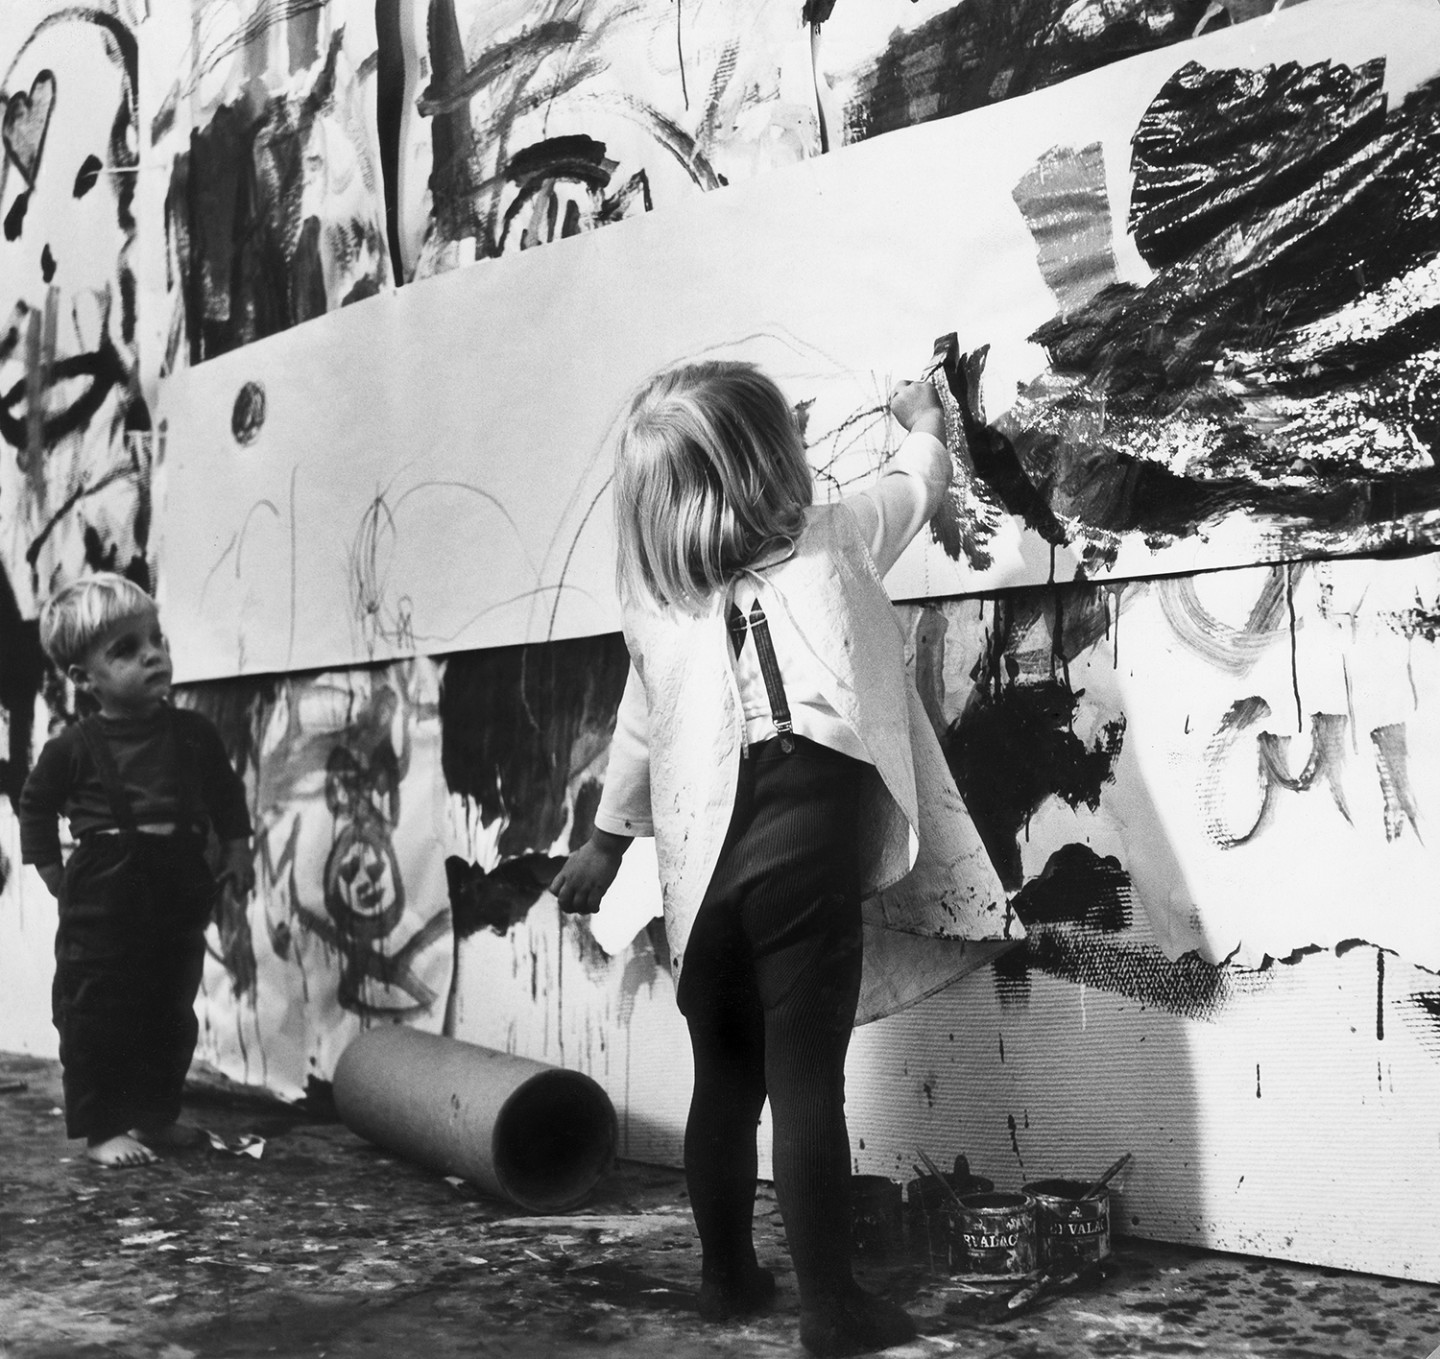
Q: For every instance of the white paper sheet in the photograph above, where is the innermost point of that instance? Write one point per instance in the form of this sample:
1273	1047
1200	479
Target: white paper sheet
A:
1270	784
431	471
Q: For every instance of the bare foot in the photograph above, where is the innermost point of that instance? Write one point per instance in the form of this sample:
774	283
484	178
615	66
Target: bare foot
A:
173	1136
120	1152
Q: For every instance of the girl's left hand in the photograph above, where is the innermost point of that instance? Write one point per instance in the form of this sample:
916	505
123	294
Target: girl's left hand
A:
581	884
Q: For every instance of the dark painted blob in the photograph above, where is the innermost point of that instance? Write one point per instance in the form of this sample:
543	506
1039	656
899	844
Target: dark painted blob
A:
983	51
498	899
520	724
1283	360
258	215
22	673
1013	745
993	483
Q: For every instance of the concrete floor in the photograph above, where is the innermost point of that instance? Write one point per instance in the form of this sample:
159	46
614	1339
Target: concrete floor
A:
328	1246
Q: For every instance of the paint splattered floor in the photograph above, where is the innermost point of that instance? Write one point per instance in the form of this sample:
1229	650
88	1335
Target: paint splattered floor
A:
327	1246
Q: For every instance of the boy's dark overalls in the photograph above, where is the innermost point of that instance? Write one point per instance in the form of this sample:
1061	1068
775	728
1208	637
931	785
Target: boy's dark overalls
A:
128	958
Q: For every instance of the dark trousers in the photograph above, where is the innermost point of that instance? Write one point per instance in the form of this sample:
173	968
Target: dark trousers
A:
128	959
769	989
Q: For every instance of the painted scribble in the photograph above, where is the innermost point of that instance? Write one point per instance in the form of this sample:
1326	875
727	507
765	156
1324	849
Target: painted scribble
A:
581	114
75	436
984	51
274	212
350	922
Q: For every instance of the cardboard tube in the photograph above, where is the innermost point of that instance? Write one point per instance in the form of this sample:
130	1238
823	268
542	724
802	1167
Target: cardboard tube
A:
522	1130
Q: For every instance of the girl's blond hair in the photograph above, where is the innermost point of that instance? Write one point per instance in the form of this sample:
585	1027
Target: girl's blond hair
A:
78	614
710	469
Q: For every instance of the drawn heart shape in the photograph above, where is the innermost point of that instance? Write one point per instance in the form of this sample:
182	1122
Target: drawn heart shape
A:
27	119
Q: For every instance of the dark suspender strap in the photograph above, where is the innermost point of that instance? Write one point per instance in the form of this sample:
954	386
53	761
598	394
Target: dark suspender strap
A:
104	763
770	669
188	815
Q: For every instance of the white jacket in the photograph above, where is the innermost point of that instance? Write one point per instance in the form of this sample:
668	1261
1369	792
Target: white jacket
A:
931	893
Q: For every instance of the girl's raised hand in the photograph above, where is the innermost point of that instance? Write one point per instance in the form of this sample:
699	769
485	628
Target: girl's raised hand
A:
916	405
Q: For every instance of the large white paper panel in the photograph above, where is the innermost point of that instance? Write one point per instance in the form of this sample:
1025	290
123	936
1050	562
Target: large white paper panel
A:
1249	753
431	469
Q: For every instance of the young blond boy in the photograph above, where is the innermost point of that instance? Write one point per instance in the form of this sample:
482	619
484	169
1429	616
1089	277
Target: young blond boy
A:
143	784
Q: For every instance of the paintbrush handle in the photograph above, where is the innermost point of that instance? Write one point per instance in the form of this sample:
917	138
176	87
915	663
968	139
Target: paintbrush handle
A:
1108	1175
935	1171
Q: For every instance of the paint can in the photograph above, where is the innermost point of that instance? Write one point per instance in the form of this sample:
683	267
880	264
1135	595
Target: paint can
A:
996	1233
1071	1231
930	1215
877	1227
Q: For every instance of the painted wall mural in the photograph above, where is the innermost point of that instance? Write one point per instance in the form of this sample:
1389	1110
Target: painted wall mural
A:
1189	265
274	211
537	122
1221	371
350	922
75	431
1239	753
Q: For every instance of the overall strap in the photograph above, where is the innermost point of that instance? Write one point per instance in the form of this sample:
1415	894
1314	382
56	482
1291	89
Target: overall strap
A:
104	761
758	627
189	814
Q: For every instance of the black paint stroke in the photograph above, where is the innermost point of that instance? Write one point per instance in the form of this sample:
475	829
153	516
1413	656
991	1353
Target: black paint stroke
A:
474	169
1285	345
983	51
22	675
520	723
551	171
1073	910
248	266
500	899
991	481
1012	746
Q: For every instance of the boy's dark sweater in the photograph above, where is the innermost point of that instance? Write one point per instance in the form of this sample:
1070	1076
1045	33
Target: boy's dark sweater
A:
147	753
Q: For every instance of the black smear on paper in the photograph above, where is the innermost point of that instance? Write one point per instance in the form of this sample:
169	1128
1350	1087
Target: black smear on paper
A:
501	898
1073	910
1274	366
87	176
472	164
22	674
249	266
1013	746
983	51
1077	887
514	722
1217	149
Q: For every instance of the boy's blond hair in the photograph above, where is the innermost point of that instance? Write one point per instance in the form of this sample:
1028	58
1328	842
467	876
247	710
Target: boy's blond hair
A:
76	615
710	469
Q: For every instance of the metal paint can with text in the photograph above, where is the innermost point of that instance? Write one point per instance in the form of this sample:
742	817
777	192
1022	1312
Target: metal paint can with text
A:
997	1233
876	1220
1071	1230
